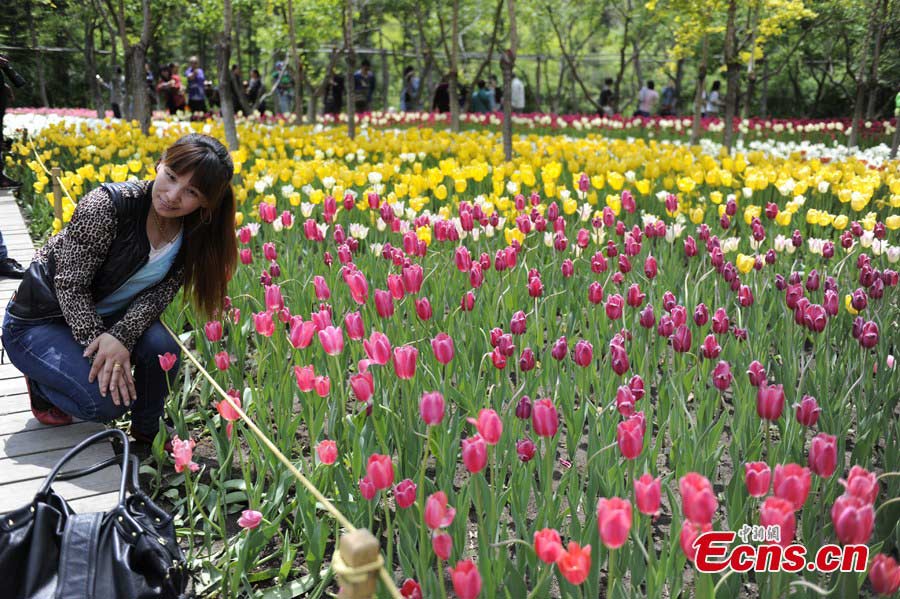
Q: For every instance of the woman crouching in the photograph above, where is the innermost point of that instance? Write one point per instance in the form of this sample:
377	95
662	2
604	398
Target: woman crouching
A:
84	324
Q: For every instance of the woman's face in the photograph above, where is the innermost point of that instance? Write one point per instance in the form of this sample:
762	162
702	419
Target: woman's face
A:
173	194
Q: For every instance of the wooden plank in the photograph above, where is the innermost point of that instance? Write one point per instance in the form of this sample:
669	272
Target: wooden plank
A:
11	404
15	495
12	387
14	422
46	439
38	465
95	503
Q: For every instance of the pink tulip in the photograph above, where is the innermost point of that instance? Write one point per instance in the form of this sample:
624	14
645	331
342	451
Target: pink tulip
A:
466	579
648	494
327	451
544	418
322	385
770	401
412	278
467	303
263	323
183	452
423	308
489	426
223	360
405	361
367	488
584	353
697	498
722	376
548	545
437	513
305	377
378	348
757	477
431	408
359	287
613	521
301	332
442	345
250	519
167	361
380	470
853	520
630	437
862	484
332	340
354	324
442	544
321	287
779	512
363	386
405	493
823	455
474	453
213	330
792	482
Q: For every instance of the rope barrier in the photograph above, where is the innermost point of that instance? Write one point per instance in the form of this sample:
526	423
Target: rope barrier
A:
349	574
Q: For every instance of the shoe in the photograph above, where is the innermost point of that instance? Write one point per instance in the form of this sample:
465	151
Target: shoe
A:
11	269
44	411
7	183
148	439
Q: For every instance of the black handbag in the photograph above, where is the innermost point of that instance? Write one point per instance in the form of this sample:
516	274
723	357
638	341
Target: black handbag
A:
47	551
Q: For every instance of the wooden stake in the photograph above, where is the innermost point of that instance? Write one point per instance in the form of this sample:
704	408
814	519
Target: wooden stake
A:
57	194
359	550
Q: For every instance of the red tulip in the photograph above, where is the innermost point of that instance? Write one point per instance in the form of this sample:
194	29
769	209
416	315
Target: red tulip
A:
548	545
823	455
322	318
423	308
380	470
720	321
636	384
263	323
568	269
613	521
595	293
327	451
701	315
770	401
354	325
625	400
213	330
560	348
575	563
630	437
697	498
442	345
618	359
527	360
467	303
474	453
544	418
367	488
792	482
634	297
305	377
525	450
274	300
384	303
489	426
584	353
745	296
648	494
681	339
466	579
853	519
442	544
405	361
757	373
378	348
884	574
808	411
535	287
269	251
437	513
862	484
779	512
689	533
722	376
614	305
868	338
710	348
246	256
650	268
757	476
411	589
405	493
463	259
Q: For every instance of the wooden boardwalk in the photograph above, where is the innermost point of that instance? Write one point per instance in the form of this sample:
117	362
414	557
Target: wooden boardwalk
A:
28	449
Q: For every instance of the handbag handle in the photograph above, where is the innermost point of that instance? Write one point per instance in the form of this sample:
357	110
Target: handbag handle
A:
92	440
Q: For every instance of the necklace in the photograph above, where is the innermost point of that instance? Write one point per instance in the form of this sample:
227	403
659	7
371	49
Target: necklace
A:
160	229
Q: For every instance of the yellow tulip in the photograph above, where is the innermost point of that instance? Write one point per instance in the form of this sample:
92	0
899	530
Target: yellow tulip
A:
848	303
744	263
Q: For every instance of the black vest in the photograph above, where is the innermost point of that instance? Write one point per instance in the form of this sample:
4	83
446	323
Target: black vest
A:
128	253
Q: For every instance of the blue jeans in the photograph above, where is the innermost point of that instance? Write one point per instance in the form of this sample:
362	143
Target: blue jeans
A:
45	351
3	254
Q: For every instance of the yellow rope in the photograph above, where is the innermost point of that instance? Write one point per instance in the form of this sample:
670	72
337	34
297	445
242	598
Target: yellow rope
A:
329	507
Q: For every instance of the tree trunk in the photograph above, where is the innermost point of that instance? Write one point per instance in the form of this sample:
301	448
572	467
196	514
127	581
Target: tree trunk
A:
679	82
136	55
90	69
226	78
507	64
351	67
698	95
862	78
617	87
733	76
295	62
764	92
237	42
38	54
385	77
454	65
537	85
872	83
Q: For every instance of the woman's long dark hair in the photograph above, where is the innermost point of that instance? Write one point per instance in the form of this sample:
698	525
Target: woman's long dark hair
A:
209	245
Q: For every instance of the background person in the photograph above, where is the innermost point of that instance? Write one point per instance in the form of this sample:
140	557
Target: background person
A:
196	86
89	305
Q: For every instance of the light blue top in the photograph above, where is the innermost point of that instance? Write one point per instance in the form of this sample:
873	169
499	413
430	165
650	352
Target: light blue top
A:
159	263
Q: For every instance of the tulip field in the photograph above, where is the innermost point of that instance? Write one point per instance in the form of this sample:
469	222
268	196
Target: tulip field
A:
538	378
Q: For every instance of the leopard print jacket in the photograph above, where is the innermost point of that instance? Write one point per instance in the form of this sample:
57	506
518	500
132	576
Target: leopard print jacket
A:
79	250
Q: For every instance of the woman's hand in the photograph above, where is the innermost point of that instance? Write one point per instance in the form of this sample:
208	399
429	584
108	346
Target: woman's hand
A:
112	365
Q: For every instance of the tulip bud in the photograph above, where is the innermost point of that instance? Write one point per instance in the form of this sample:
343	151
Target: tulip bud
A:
823	455
757	477
807	411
